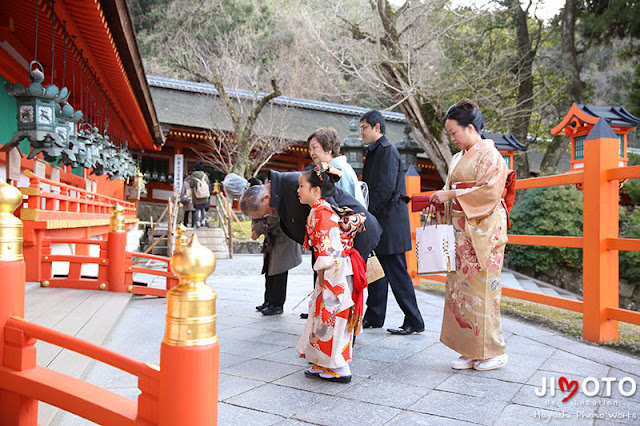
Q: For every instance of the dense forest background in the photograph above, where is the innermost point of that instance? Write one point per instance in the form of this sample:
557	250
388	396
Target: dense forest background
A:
415	57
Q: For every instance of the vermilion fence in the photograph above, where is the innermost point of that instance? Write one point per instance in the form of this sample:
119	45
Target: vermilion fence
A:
61	201
600	243
115	268
182	390
52	209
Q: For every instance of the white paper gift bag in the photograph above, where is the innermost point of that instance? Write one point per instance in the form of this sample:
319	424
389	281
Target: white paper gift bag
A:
436	249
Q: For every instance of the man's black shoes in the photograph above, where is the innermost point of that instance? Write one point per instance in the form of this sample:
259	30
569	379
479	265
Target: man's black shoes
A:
259	308
405	331
272	310
369	324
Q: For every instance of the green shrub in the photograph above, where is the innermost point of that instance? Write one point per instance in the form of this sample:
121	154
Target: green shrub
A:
630	260
555	210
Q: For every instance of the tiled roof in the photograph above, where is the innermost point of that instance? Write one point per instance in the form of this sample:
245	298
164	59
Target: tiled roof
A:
615	115
505	142
208	89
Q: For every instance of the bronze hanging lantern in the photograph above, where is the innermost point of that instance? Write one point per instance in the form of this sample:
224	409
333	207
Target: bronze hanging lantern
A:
67	119
85	139
102	149
36	106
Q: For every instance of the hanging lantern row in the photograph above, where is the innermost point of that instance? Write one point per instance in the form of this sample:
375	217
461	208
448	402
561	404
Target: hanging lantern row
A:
51	124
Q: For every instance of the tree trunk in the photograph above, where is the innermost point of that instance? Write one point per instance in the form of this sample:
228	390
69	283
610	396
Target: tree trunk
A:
524	106
244	150
575	86
427	130
420	113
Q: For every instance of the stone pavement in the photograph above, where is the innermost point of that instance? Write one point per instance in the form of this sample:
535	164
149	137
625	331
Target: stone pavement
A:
397	380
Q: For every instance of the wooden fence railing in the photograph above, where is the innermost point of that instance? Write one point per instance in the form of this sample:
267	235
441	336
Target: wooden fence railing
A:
600	243
115	264
52	209
64	202
183	390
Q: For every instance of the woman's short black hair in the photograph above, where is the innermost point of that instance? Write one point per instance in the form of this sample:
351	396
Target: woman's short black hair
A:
466	112
319	177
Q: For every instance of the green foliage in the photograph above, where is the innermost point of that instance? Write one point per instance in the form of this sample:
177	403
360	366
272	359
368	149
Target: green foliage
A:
632	189
602	20
555	210
630	260
558	211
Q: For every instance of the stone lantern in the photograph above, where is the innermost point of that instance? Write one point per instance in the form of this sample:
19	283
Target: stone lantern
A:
353	147
582	118
408	149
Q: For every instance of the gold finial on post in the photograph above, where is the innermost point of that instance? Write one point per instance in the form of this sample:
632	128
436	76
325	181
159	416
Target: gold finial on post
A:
216	187
117	223
181	240
191	309
138	180
10	226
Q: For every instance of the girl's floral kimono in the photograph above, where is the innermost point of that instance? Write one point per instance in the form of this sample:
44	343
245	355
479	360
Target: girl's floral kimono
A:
327	337
471	324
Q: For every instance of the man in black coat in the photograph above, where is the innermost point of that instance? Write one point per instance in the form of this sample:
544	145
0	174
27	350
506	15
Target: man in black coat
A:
383	173
280	195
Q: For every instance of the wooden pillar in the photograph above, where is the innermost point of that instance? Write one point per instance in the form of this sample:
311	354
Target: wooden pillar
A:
16	351
412	182
116	247
600	221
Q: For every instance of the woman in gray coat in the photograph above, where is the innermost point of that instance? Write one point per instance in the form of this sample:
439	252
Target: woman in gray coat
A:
186	199
281	253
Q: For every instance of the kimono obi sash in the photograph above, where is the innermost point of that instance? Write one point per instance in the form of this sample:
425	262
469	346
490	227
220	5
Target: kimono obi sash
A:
455	205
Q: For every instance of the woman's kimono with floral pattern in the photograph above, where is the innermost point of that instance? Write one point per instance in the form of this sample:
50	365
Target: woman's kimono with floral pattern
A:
471	325
326	340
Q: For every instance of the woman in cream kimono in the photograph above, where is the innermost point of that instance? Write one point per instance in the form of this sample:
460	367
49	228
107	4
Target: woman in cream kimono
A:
473	197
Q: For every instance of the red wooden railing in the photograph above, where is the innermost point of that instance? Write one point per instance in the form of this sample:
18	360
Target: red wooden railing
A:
74	395
62	199
182	390
600	242
172	277
121	280
52	209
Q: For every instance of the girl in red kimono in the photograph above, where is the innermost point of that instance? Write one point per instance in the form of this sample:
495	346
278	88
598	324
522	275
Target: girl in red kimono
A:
333	316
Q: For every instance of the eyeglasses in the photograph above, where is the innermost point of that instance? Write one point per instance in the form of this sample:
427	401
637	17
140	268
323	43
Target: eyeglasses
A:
364	127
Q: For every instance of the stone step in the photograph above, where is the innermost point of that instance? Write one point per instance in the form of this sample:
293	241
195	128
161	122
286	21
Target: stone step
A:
532	284
509	280
529	285
212	241
549	290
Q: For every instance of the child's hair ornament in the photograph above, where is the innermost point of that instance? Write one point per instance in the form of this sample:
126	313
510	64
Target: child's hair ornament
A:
328	168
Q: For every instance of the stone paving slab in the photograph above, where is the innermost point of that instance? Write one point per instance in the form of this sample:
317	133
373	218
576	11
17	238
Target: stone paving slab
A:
397	380
461	407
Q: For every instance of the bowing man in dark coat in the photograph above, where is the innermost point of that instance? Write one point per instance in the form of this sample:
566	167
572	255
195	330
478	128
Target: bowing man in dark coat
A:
280	195
383	173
